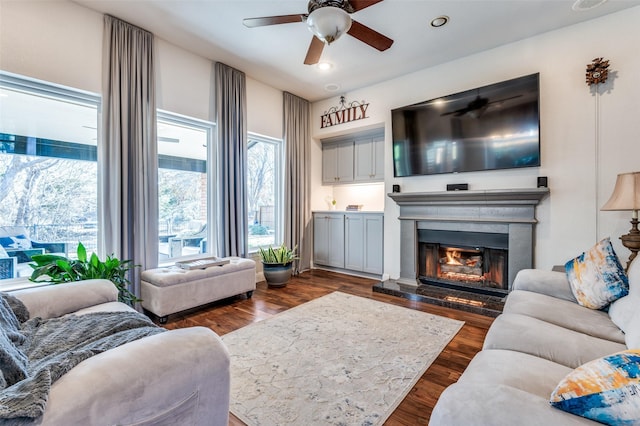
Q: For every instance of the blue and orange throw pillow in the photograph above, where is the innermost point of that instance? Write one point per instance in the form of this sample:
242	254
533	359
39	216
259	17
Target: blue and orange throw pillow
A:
606	390
596	276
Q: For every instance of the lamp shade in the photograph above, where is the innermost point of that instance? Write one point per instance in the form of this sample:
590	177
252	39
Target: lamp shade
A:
329	23
626	194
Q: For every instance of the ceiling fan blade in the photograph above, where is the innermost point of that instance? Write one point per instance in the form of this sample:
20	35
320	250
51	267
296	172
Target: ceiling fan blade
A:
357	5
273	20
314	52
369	36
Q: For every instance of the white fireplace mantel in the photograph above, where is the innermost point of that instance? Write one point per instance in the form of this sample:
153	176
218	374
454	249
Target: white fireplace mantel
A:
508	211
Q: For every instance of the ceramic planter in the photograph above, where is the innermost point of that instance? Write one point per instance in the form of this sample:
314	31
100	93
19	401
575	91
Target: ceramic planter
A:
277	274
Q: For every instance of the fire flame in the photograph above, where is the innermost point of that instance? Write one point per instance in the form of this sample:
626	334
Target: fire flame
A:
452	257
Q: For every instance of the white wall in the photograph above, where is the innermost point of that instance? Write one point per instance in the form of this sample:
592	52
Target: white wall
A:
61	42
581	172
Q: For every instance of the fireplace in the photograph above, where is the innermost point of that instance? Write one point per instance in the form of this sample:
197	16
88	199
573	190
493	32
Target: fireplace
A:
472	261
490	233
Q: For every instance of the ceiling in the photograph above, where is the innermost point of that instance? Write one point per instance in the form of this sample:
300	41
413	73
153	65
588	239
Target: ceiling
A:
274	55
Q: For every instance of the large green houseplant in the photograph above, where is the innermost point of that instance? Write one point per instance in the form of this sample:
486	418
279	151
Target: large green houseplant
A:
60	269
277	264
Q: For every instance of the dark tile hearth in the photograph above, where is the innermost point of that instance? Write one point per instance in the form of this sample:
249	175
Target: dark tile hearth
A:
482	304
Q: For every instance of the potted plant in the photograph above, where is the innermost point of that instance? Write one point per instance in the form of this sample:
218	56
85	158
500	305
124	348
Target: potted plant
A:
60	269
277	264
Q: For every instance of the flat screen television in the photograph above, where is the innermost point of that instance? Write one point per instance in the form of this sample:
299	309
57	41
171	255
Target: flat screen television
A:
488	128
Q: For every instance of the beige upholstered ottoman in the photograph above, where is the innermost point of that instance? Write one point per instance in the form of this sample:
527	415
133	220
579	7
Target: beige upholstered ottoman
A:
165	291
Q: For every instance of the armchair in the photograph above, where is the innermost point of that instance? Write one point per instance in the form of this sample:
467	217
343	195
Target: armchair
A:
19	248
17	238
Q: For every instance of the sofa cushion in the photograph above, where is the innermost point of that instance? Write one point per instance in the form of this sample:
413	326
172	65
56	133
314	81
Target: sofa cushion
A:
597	277
563	313
551	283
515	369
478	404
604	390
539	338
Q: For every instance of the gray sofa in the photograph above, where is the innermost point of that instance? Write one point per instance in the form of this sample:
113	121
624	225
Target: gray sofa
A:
174	377
541	336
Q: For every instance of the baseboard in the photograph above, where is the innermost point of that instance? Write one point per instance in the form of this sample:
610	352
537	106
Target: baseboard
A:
349	272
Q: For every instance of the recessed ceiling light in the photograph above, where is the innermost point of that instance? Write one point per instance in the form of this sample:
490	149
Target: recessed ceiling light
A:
331	87
581	5
439	21
324	66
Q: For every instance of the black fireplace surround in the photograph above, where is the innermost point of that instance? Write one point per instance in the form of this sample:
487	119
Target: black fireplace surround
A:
470	261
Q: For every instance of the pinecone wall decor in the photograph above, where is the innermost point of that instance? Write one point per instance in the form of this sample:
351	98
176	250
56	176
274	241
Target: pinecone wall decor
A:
597	71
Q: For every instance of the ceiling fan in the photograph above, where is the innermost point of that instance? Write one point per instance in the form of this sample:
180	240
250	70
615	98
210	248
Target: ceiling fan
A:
328	20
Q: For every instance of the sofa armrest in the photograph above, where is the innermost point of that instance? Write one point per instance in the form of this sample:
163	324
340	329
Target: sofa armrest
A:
551	283
50	301
8	267
176	377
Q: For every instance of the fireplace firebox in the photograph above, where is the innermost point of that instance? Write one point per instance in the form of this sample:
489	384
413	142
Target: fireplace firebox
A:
470	261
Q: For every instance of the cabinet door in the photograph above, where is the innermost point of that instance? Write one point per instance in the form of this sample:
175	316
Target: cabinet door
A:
320	239
373	244
345	162
354	242
378	159
363	160
369	159
330	164
335	236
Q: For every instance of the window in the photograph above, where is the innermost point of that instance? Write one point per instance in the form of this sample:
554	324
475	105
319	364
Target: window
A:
264	191
48	167
185	153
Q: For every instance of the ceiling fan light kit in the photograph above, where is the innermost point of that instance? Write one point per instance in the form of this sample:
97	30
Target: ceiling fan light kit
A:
328	20
329	23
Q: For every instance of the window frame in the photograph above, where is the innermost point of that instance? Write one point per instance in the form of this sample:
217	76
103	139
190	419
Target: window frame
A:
212	154
278	178
60	93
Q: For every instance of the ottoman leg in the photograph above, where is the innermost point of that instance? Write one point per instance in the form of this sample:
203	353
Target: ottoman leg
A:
249	294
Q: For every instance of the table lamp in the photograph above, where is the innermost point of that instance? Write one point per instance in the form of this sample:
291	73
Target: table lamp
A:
626	196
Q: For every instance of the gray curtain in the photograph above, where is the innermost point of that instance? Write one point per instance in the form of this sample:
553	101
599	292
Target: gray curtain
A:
231	125
128	176
297	210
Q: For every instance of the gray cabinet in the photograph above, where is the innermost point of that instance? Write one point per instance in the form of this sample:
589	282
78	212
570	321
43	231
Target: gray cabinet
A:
353	242
353	158
369	159
328	239
357	246
337	163
373	243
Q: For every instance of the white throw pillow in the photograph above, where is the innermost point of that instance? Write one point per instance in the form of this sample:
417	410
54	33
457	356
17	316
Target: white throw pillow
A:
632	332
633	274
622	311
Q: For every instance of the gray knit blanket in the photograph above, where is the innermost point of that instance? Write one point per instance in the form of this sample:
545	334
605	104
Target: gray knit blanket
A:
34	353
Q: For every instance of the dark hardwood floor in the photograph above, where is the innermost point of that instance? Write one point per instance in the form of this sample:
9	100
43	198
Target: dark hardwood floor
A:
231	314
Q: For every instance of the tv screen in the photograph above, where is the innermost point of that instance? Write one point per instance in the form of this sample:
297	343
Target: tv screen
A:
488	128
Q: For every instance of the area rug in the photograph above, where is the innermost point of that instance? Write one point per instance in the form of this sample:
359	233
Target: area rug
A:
339	359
